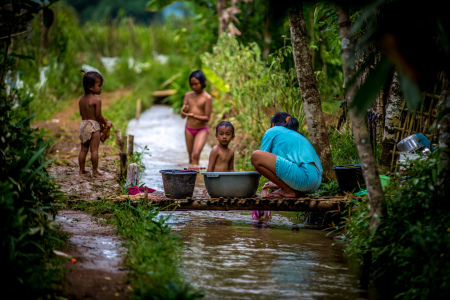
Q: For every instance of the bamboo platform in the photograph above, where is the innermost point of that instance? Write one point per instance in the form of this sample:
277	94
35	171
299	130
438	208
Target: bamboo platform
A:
321	203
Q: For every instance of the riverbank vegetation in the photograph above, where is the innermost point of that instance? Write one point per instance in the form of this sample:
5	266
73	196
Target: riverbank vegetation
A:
251	76
153	251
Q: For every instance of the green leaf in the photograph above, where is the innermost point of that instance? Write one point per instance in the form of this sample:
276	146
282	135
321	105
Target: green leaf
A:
21	122
442	114
156	5
371	87
39	168
215	80
368	11
411	91
20	56
34	157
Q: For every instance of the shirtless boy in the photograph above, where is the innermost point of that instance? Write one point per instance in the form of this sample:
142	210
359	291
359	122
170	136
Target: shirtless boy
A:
197	108
221	158
91	116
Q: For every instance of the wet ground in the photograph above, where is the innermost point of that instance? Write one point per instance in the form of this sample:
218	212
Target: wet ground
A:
98	272
230	256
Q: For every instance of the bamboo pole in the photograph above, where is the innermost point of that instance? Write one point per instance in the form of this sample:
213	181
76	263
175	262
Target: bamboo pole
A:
130	144
118	136
123	164
138	108
123	144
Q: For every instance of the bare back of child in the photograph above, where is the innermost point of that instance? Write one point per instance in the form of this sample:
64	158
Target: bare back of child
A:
91	117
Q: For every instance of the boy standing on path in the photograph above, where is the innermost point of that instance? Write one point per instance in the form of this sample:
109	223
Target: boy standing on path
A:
91	115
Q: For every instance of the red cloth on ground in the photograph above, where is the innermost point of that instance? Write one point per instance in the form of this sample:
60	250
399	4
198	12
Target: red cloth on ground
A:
133	190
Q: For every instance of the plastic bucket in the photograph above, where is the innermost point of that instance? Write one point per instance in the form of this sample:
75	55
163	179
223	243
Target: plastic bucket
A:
350	178
385	181
178	184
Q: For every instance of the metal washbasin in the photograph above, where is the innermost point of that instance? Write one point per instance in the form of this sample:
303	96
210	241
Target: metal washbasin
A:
409	144
231	184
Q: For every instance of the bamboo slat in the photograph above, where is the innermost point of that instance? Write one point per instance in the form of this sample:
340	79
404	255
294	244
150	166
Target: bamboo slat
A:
413	121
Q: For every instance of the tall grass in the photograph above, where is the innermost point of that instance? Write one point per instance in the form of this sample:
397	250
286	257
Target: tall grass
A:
153	252
145	56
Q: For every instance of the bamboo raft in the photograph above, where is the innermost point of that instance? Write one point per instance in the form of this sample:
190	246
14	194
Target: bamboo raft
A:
321	203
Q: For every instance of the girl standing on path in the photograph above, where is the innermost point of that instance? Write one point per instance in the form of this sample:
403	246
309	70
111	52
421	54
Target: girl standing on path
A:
197	108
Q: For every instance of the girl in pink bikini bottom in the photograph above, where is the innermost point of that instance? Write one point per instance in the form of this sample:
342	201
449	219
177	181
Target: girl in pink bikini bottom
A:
194	131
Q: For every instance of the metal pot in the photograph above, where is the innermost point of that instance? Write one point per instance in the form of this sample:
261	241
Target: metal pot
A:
231	184
409	144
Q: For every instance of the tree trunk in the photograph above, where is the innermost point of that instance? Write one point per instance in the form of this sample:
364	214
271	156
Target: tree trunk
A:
220	12
392	119
267	33
444	124
360	132
310	92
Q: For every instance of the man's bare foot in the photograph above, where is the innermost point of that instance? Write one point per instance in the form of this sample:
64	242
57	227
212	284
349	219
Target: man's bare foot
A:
82	172
98	173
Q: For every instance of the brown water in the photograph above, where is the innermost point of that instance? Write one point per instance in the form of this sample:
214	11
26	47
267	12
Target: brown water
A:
230	256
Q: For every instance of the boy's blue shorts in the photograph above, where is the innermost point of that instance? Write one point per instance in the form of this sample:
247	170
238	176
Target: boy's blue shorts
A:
304	177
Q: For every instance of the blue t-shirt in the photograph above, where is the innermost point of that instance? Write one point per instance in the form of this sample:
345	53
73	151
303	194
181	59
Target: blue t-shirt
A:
290	145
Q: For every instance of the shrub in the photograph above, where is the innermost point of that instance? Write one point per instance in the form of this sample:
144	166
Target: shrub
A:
411	249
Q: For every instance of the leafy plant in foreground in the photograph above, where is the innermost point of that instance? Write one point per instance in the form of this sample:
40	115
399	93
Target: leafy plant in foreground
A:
153	254
411	250
26	205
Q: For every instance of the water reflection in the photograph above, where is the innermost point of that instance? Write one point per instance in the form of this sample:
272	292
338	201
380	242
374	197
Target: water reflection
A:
231	256
234	257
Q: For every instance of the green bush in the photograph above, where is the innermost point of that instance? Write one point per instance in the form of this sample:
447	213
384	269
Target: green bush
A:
411	249
250	90
26	208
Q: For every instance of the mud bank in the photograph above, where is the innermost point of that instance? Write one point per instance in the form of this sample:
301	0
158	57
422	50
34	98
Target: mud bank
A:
98	272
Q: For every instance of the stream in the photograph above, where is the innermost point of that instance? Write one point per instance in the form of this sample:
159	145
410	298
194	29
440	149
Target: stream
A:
230	256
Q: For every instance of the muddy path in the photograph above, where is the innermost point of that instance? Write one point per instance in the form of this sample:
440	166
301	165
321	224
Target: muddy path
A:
98	272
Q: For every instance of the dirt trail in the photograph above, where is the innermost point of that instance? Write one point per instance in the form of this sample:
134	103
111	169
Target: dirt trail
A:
98	272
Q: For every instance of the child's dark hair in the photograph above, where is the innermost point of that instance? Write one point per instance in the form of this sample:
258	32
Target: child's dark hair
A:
89	80
286	120
226	125
199	76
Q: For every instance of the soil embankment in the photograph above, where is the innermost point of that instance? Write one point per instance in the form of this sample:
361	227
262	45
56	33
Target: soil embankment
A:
98	271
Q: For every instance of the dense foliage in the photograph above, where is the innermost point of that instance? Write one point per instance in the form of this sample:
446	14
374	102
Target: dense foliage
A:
26	209
410	251
27	193
124	52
